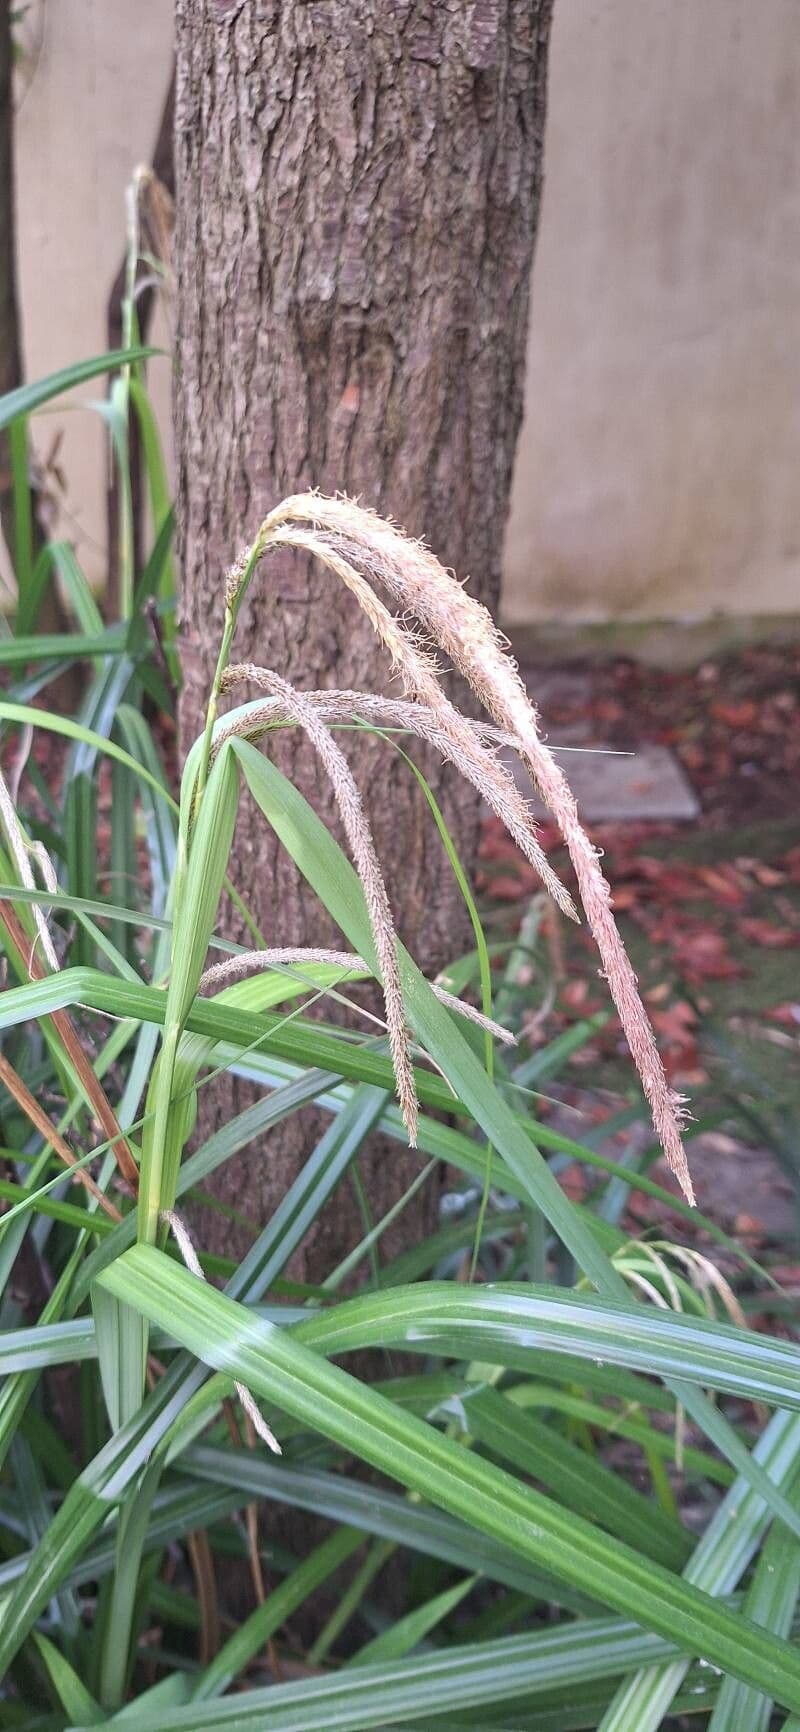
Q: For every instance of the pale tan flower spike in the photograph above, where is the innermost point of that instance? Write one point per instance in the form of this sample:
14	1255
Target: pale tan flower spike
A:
364	550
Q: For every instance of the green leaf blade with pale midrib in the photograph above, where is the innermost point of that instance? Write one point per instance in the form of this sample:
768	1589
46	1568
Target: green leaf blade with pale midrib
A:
277	1367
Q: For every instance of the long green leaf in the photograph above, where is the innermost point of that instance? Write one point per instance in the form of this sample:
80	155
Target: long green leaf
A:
307	1195
72	1693
724	1551
26	398
303	1042
579	1480
26	716
401	1521
61	646
322	862
75	584
697	1463
512	1324
119	1621
268	1617
406	1634
166	1129
157	479
277	1367
771	1600
22	506
420	1690
179	1509
224	1143
119	1340
92	637
310	1045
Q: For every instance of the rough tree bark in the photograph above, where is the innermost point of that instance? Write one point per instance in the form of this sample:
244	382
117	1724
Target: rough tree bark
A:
357	191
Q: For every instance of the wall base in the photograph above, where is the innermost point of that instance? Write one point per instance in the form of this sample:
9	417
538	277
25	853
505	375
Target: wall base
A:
659	643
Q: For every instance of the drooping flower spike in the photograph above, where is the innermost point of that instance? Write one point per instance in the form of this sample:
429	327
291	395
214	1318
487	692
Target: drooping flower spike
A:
365	551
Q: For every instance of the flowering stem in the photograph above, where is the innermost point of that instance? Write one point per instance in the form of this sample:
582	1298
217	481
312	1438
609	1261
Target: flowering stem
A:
237	585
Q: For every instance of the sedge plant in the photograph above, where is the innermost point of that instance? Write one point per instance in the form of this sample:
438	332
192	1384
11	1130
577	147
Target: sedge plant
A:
157	1404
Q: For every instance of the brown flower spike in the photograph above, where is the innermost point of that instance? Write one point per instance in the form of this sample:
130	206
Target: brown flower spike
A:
364	551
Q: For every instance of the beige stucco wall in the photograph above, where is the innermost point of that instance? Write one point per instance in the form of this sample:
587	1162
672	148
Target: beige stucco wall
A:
91	85
659	464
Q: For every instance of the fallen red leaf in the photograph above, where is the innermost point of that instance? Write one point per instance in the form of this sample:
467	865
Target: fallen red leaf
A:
764	933
675	1023
788	1015
749	1226
687	1074
575	993
505	889
768	876
741	715
496	845
787	1274
625	897
703	955
573	1182
724	882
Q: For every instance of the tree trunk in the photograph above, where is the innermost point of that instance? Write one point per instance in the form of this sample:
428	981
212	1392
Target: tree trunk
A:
357	191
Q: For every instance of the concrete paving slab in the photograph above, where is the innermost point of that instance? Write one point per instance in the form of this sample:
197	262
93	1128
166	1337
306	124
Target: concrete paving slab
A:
648	784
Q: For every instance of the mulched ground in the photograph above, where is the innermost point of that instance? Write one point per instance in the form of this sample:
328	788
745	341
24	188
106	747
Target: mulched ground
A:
734	724
710	911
